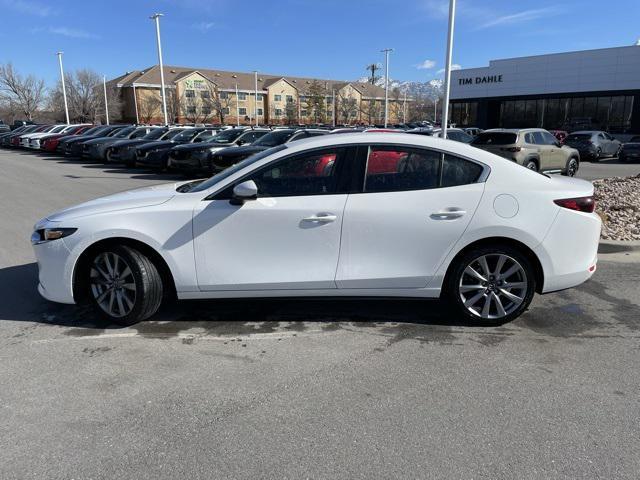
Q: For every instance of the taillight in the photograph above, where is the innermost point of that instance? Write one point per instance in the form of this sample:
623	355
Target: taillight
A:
581	204
511	149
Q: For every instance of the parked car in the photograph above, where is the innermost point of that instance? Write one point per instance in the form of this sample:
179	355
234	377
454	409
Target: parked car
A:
561	135
4	128
24	139
96	149
191	159
456	134
594	144
124	151
49	143
7	140
226	157
11	132
156	154
36	138
630	150
20	123
533	148
88	134
17	139
481	233
73	148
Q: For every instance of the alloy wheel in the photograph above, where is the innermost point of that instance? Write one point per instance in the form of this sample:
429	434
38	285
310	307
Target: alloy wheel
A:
113	285
572	169
493	286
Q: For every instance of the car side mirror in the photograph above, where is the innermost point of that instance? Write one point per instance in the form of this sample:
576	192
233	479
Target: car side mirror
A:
240	142
558	143
244	191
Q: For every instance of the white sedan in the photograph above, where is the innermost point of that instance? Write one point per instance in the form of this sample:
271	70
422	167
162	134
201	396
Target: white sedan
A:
364	214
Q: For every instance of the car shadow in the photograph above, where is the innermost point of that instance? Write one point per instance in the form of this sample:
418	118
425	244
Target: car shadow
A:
18	283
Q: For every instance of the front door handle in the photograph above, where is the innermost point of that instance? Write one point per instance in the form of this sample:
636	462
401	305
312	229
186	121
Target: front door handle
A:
448	214
321	218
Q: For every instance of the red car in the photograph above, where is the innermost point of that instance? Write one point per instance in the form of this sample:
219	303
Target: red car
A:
50	143
559	134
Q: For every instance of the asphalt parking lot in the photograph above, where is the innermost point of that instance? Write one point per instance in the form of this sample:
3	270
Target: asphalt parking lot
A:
306	388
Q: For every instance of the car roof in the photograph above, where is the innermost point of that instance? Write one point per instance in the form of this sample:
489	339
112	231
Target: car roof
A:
589	132
514	130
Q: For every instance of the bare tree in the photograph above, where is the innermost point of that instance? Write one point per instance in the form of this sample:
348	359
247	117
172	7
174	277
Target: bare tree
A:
291	112
221	103
347	107
316	102
372	110
200	103
149	107
26	93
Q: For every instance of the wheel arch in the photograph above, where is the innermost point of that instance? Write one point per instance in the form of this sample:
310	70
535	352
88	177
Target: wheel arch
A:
493	241
79	293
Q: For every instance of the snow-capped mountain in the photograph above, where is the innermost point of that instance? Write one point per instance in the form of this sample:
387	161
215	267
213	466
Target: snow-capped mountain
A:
432	88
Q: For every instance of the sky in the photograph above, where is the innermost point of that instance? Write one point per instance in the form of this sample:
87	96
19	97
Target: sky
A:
324	39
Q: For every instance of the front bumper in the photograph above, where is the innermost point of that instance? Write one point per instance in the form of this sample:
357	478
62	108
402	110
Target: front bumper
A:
55	271
190	163
152	159
121	155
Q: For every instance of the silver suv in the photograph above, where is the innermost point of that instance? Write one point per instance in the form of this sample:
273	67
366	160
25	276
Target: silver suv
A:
533	148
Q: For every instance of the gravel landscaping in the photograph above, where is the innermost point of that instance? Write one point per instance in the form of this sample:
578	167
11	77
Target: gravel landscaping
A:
618	203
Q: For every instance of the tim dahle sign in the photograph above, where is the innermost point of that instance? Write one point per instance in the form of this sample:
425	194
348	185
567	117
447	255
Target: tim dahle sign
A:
478	80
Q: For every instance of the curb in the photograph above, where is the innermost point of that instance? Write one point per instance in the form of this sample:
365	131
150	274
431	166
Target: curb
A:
618	246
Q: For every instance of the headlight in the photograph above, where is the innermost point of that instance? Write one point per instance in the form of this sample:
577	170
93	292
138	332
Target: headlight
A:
48	234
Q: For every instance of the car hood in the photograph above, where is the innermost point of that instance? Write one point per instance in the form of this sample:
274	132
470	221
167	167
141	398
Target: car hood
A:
194	147
141	197
157	145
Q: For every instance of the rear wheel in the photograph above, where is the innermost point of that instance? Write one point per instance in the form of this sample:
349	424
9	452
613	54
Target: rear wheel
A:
572	167
490	285
124	285
531	165
598	154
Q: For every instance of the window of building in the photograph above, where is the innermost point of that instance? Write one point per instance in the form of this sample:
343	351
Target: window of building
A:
226	110
190	93
289	98
310	173
206	110
205	94
278	112
303	113
191	110
242	96
224	95
242	111
259	111
277	98
259	97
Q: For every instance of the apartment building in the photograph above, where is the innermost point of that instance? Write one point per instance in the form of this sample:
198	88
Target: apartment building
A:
217	96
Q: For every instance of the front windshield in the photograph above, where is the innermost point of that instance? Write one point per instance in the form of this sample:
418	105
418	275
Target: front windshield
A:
227	136
124	132
235	168
58	129
272	139
186	135
155	134
206	136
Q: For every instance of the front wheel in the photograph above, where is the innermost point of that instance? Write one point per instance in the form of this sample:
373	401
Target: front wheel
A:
490	285
124	285
531	165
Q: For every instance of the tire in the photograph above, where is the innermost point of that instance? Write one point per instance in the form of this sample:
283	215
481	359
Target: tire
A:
572	167
531	165
618	152
514	300
124	286
598	155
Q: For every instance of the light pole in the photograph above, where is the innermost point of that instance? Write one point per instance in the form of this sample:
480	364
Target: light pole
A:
435	110
237	107
156	17
106	103
333	106
447	68
404	107
255	110
386	52
64	89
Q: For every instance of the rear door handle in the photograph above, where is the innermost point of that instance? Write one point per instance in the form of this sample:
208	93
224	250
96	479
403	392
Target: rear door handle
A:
448	214
321	218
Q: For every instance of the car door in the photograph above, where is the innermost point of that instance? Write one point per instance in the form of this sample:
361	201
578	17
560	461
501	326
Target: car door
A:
612	144
287	238
413	206
557	157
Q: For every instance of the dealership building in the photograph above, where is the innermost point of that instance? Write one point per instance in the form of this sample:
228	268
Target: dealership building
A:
597	89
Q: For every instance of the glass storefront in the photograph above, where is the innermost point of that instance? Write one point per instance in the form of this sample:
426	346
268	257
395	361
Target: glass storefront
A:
464	114
611	113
